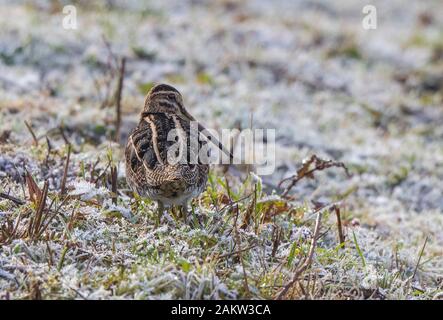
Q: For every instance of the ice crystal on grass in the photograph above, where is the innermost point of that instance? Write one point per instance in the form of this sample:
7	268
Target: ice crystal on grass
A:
86	190
109	208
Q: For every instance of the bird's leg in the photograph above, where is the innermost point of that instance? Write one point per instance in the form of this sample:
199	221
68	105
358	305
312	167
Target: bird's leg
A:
175	214
160	210
184	210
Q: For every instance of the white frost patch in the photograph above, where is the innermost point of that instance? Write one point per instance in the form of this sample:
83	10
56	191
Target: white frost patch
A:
109	206
300	233
86	190
370	279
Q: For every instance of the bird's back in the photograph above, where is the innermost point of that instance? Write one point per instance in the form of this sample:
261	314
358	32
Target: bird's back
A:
150	157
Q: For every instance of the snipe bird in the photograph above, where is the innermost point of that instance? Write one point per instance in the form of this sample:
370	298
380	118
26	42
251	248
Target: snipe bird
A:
149	171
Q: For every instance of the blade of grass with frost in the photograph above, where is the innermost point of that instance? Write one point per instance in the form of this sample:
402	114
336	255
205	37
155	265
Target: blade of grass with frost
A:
259	187
292	254
82	169
419	258
212	190
257	213
360	253
62	258
194	217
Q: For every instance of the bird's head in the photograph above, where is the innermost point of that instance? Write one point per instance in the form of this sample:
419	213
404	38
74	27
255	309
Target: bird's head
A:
163	98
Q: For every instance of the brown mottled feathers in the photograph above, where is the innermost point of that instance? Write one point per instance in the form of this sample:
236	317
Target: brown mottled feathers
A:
148	170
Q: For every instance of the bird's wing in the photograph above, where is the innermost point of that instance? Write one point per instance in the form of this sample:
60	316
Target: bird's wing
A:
148	147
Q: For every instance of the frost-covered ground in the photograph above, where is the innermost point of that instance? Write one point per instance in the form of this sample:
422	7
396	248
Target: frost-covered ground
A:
372	99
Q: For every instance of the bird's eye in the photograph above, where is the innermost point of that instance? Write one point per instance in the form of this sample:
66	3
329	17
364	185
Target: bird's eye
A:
171	96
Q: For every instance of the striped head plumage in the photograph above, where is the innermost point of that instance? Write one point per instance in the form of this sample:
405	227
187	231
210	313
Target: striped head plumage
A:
164	98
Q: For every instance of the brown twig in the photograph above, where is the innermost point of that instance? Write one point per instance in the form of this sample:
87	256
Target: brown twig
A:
92	171
307	262
9	231
341	236
49	220
4	136
118	98
101	173
36	224
231	204
65	172
306	172
11	198
240	256
111	54
114	184
34	137
48	154
276	238
63	134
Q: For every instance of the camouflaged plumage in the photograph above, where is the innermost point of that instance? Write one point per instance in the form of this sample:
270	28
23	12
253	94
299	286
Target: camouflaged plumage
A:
149	169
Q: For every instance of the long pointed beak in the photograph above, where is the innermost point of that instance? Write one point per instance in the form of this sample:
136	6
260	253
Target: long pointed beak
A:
214	140
209	136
